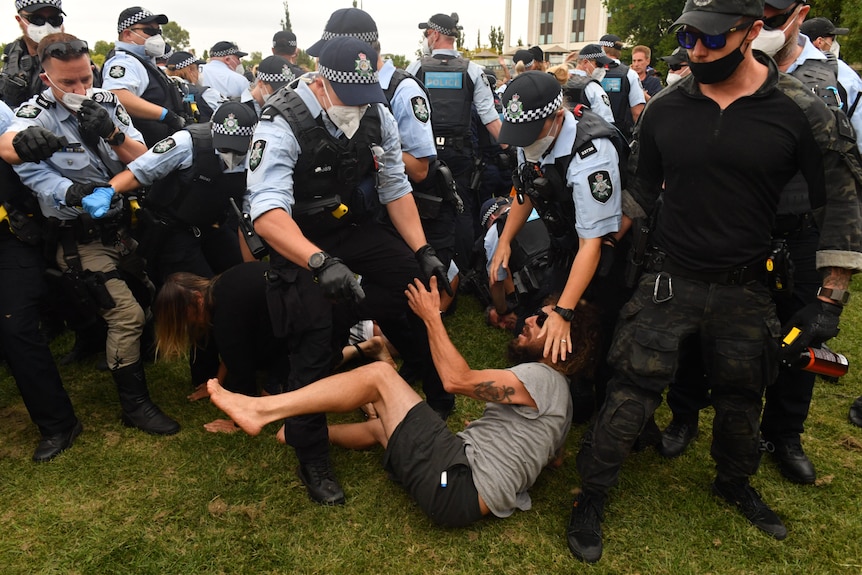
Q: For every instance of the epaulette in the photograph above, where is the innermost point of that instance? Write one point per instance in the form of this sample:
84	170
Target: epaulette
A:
44	102
105	97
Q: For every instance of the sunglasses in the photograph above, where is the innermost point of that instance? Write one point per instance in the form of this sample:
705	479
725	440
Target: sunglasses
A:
541	318
677	67
60	50
688	38
777	21
38	20
148	31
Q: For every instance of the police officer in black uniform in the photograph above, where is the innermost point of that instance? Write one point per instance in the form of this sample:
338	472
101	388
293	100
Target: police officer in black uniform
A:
21	288
322	162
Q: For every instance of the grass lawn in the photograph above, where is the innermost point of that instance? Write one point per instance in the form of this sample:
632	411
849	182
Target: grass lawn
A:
121	501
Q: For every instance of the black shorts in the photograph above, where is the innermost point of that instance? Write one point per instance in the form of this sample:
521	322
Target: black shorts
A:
420	449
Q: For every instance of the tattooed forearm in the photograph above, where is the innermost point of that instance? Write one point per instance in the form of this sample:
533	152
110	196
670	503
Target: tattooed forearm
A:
489	391
836	278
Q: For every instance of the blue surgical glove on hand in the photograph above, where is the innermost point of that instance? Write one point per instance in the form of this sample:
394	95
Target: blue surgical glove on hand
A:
98	203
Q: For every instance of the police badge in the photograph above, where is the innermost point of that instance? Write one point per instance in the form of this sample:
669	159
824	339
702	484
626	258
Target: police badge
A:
364	66
164	145
515	108
230	124
601	187
256	154
420	109
28	111
122	115
117	71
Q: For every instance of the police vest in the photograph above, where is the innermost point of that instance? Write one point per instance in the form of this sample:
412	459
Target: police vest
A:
616	85
332	182
529	260
197	196
574	90
162	92
450	90
20	80
196	95
21	207
821	77
547	187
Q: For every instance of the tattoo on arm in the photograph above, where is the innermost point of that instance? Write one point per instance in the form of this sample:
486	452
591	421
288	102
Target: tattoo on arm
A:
836	278
489	391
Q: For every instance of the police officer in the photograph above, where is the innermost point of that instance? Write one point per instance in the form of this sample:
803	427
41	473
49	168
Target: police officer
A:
322	158
585	86
199	101
152	100
704	282
224	72
19	80
622	86
284	45
455	85
273	73
21	288
580	201
93	244
789	399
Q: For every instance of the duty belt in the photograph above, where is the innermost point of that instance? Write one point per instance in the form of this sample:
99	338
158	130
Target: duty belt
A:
661	262
449	141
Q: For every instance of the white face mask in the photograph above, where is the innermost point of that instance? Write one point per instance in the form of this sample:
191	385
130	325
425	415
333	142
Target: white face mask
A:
240	69
769	41
154	46
673	78
426	48
347	118
835	48
71	100
535	151
232	159
36	33
598	74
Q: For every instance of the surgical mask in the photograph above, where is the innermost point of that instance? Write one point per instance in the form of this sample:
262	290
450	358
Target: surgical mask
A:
673	78
240	69
769	41
36	33
71	100
347	118
535	151
835	48
232	159
154	46
598	74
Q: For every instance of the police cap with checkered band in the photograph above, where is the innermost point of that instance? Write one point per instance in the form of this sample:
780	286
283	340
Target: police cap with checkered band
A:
31	6
529	99
137	15
275	71
233	126
350	22
350	65
180	60
446	25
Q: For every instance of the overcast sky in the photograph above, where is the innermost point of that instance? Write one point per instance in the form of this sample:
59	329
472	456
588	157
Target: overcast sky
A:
251	23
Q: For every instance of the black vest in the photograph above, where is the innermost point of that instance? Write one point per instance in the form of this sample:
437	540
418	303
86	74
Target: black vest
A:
332	174
198	195
450	90
20	80
617	86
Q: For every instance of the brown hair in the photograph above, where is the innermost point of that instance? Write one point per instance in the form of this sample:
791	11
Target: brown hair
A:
645	50
59	38
560	72
585	335
177	320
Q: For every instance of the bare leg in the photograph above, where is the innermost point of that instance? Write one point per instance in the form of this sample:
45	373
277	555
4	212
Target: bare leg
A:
377	383
363	435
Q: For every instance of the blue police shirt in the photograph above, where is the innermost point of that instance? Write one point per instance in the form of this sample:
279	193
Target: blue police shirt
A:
176	152
50	178
222	79
412	111
125	72
275	151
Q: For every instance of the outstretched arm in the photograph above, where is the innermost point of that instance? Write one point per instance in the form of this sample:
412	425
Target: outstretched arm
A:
494	385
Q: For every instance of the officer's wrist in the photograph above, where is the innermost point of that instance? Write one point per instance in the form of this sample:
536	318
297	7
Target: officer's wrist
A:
164	114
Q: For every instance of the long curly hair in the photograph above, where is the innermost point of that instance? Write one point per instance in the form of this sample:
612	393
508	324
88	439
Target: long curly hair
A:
182	311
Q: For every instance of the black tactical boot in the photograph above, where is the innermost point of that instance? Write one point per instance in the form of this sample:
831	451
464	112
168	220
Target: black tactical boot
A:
138	409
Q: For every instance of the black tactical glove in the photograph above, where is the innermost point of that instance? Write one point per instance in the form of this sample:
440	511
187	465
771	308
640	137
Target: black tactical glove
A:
174	122
36	143
77	192
430	265
338	282
95	119
817	322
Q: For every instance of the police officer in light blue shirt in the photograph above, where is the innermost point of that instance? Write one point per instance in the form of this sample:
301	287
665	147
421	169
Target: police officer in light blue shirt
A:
222	72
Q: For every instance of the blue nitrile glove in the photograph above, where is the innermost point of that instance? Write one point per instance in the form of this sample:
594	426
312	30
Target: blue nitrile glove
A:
98	203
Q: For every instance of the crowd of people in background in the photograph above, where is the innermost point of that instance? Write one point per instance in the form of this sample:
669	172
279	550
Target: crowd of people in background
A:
278	221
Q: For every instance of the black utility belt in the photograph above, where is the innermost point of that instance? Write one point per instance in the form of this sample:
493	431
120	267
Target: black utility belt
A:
86	229
658	261
449	141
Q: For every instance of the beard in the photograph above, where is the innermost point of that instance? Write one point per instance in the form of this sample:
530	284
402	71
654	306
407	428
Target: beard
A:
518	353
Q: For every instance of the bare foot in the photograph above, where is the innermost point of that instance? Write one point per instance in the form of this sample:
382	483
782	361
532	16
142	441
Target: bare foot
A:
240	408
200	392
221	426
376	348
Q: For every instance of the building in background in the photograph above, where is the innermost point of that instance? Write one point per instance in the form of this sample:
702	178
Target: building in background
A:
558	26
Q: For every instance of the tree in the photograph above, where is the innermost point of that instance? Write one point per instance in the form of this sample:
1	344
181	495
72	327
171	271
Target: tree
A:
496	39
400	60
645	22
176	36
285	23
845	14
459	41
478	39
100	50
252	60
304	61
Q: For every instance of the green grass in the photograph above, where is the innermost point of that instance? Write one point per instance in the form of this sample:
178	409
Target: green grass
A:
121	501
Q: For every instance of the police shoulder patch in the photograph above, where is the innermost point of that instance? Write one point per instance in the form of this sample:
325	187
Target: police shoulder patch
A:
122	115
601	187
164	146
28	111
117	71
104	97
256	154
420	108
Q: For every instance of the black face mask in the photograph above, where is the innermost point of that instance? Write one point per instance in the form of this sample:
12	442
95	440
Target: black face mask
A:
718	70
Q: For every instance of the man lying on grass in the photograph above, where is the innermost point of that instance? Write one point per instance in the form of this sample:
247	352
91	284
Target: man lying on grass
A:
455	478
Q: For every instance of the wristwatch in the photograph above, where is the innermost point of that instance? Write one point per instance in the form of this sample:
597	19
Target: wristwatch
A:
564	312
117	138
838	296
316	261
